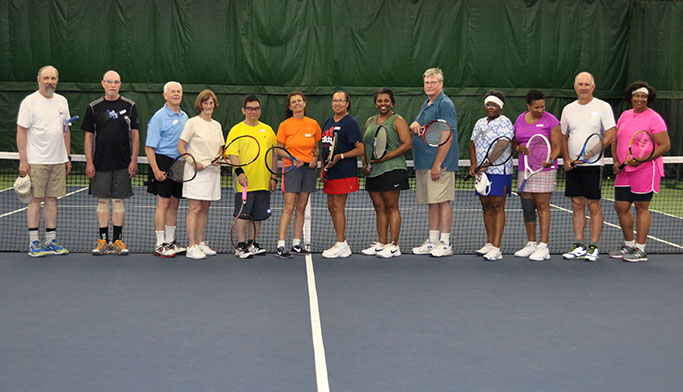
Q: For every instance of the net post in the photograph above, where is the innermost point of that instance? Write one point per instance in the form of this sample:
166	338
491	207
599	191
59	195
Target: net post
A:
307	225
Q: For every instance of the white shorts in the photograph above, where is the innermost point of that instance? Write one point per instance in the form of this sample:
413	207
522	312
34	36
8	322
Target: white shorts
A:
206	186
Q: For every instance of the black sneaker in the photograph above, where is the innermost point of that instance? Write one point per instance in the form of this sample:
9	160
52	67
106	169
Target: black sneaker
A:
256	249
283	253
299	250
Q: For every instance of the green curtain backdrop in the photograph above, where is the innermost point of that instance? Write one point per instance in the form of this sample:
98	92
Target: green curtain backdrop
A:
271	47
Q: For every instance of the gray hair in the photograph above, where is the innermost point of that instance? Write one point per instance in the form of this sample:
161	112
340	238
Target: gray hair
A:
40	71
576	78
168	85
434	72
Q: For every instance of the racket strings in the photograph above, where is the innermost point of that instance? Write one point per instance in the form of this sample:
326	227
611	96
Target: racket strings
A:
538	153
499	152
437	133
593	149
380	143
642	146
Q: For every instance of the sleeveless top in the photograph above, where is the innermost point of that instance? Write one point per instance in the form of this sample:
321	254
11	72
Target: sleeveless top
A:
394	142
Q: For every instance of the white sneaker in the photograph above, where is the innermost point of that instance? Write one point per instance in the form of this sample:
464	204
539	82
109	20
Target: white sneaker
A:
337	251
442	249
528	250
424	249
204	247
195	253
484	249
389	251
493	254
542	253
243	253
176	248
374	248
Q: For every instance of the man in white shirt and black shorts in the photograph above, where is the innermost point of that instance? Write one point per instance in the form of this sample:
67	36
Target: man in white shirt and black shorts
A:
580	119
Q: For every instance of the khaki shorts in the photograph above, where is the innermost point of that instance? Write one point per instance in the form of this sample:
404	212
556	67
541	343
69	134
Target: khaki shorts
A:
433	192
48	180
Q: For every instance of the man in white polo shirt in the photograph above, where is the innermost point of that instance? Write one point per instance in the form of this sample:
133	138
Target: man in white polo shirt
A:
580	119
43	141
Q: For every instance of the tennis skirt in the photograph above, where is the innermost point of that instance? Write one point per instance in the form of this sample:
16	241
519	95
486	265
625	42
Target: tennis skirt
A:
205	186
541	182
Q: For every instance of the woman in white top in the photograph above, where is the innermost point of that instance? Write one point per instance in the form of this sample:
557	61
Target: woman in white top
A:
203	138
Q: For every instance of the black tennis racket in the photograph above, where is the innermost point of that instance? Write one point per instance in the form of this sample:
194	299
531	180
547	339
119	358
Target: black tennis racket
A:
246	148
436	133
182	169
242	214
497	154
380	144
330	155
279	160
591	151
640	149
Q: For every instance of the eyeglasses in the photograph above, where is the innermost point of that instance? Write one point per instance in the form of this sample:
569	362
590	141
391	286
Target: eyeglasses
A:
112	81
252	108
431	83
338	100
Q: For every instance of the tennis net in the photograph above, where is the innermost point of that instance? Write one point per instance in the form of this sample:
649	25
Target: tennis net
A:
77	226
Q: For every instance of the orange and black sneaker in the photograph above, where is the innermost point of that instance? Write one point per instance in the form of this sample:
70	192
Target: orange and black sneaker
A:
101	247
119	248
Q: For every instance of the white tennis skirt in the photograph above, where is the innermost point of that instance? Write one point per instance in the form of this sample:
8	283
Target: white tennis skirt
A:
542	182
206	186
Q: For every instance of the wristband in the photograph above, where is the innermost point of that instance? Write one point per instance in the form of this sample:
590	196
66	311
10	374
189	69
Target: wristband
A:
69	158
342	156
239	171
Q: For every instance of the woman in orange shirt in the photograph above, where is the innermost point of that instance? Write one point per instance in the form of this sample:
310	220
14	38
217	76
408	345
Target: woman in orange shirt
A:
300	136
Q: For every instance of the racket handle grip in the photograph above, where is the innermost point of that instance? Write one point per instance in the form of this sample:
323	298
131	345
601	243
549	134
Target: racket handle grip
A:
467	177
622	166
244	193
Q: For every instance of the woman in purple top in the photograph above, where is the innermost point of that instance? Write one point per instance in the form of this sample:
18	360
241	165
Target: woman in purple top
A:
539	187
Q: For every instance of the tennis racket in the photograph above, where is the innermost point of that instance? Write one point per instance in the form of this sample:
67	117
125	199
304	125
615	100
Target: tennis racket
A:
436	133
245	147
279	160
68	123
330	155
539	152
640	149
380	144
182	169
591	151
498	153
242	214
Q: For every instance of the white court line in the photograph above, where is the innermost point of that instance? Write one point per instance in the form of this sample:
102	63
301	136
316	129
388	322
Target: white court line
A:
318	347
619	227
43	203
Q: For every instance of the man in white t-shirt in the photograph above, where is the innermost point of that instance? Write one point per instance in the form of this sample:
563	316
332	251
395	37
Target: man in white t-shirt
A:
43	141
580	119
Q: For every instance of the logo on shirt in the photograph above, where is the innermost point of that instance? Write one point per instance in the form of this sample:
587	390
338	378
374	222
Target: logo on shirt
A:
112	114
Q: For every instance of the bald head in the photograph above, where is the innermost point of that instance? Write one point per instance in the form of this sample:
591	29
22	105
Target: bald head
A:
111	82
584	84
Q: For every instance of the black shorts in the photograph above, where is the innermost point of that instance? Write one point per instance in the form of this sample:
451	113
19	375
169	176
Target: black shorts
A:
114	184
167	188
584	181
623	193
395	180
258	205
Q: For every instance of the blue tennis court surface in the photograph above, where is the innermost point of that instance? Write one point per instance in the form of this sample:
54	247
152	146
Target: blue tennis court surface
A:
415	323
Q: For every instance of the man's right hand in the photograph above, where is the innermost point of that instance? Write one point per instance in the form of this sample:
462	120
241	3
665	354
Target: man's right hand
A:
24	168
415	127
90	170
159	176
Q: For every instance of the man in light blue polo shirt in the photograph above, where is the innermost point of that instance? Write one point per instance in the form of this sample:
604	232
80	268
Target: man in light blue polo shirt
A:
161	148
435	167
